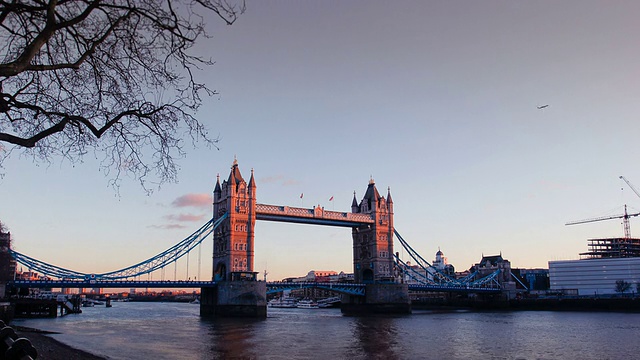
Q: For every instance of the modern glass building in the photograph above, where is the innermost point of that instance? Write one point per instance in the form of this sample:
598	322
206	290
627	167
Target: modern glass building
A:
594	276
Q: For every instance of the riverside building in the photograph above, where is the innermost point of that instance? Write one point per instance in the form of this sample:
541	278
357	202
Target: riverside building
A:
608	261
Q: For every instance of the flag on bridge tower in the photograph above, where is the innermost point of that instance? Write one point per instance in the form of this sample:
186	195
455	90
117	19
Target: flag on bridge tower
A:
301	195
331	198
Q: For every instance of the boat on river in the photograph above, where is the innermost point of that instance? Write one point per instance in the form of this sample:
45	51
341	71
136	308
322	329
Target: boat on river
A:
329	302
283	302
307	304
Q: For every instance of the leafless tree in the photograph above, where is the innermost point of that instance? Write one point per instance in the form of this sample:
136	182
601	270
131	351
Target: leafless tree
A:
110	76
622	286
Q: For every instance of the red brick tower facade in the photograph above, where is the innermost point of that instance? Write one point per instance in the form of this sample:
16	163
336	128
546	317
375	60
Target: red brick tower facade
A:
373	244
233	241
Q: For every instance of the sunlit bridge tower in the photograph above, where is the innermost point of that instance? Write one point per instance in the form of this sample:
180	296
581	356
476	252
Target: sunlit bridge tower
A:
373	243
236	292
233	241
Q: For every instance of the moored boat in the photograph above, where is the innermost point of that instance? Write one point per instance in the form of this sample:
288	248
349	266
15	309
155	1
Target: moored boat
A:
283	302
307	304
329	302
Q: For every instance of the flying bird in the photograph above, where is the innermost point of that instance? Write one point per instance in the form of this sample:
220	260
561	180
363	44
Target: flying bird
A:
542	107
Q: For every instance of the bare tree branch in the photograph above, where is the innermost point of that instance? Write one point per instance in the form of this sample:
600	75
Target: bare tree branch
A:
112	75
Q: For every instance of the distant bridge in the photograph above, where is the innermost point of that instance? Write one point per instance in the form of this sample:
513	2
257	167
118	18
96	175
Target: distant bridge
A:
272	287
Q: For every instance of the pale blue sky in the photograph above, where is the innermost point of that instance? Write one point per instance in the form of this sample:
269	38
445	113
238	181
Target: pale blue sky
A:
436	100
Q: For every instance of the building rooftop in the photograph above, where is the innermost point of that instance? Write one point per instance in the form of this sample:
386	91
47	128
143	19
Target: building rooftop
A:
612	248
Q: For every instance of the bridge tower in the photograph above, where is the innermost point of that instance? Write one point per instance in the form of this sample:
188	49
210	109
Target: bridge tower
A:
373	259
237	292
373	244
234	239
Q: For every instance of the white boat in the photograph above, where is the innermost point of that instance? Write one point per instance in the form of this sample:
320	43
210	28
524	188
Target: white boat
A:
283	302
329	302
307	304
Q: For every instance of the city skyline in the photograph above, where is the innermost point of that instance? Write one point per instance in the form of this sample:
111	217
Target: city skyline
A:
443	103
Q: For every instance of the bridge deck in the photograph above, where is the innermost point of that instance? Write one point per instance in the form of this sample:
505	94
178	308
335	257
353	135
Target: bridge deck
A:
44	284
347	288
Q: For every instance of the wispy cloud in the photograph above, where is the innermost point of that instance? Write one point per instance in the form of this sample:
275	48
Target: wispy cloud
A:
177	221
168	226
184	217
193	200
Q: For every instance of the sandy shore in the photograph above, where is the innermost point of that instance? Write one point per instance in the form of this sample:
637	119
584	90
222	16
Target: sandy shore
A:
50	348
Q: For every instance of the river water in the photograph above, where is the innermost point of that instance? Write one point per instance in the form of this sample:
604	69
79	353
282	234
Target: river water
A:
138	330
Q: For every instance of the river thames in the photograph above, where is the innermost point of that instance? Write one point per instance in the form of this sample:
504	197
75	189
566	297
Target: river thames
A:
138	330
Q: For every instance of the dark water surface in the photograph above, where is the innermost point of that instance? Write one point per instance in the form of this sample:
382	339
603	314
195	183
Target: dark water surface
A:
175	331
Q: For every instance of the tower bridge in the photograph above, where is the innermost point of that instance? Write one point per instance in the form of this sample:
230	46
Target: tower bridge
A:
371	221
234	290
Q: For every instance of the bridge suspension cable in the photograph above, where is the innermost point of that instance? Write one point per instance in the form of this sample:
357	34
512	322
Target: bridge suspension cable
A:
439	276
433	276
145	267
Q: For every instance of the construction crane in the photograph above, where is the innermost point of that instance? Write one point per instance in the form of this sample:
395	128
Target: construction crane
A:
631	186
625	220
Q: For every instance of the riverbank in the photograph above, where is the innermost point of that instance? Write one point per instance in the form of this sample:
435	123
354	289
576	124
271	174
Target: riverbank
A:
51	349
605	304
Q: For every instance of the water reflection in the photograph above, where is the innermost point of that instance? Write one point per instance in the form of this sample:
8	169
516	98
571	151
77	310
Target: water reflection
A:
167	331
376	337
233	338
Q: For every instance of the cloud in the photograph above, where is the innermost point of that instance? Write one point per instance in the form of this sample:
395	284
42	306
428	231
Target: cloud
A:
184	217
175	221
193	200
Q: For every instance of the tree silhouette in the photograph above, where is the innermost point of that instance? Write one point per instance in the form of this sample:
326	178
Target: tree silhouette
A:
110	76
622	286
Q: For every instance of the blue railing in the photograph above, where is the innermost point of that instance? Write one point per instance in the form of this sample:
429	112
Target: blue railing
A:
100	284
343	288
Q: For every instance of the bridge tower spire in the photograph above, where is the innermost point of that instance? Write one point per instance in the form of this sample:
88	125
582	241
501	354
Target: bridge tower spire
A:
373	243
234	239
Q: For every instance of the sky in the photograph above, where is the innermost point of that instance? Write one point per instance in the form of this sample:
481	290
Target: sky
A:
436	100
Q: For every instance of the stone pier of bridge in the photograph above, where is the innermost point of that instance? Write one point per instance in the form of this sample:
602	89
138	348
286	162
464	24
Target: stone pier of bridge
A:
234	299
380	298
